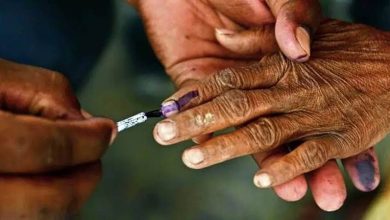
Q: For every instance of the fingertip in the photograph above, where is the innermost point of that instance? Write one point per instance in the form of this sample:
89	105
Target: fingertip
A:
327	186
221	32
107	127
331	207
158	134
193	157
303	38
228	40
363	170
169	108
86	114
293	190
256	41
114	133
262	180
293	40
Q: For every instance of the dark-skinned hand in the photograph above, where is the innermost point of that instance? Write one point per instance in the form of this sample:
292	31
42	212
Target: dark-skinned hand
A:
48	196
213	35
334	106
42	127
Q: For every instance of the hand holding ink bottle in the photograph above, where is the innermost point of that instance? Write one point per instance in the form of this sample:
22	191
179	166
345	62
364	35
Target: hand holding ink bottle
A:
167	109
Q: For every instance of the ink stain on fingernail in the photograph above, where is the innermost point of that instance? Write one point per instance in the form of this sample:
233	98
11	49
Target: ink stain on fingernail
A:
169	108
187	98
172	107
366	171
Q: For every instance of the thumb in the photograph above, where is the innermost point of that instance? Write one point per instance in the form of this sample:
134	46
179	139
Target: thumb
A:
296	21
257	41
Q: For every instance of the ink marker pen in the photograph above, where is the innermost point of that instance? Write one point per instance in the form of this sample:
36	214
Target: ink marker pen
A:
168	108
137	119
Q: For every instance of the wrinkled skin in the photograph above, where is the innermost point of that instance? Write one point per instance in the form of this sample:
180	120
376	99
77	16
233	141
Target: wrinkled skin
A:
42	126
50	196
183	32
334	106
191	49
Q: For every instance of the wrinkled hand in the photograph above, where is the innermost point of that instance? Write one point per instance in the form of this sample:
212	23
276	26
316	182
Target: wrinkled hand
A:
42	126
213	35
334	106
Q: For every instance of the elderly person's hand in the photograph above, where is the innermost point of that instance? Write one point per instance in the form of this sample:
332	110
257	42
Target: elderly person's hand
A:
197	38
42	126
334	106
213	35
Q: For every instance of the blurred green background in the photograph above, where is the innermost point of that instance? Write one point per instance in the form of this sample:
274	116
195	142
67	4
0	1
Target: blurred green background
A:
142	180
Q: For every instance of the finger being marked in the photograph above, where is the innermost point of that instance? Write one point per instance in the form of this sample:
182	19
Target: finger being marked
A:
230	109
363	170
234	78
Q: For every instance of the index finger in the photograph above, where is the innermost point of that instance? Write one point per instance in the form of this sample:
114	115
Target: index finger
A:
265	74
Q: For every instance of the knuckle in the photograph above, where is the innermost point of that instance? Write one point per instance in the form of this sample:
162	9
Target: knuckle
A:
229	78
350	143
279	66
313	157
262	135
224	148
234	104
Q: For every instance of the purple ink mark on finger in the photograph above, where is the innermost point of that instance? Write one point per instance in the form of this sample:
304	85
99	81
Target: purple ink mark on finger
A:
366	172
172	107
169	108
184	100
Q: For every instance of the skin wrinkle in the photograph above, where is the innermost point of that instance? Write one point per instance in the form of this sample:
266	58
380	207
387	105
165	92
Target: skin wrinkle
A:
334	28
346	116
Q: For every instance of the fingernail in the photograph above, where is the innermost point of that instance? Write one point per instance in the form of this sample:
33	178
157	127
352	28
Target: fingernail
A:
169	108
194	156
166	130
303	38
172	107
114	134
225	32
86	114
366	172
263	180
